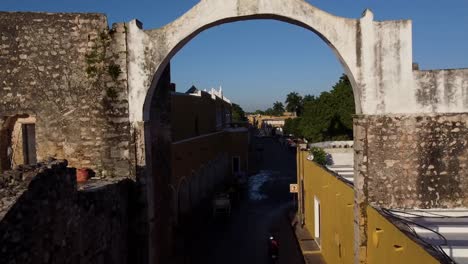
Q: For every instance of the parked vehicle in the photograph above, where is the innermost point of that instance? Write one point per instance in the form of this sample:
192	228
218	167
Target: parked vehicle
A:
291	143
221	204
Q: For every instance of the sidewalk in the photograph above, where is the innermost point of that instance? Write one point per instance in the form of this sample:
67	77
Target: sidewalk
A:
309	248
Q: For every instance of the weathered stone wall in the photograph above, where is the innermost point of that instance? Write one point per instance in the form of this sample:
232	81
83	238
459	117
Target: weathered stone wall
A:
53	222
12	184
413	161
68	71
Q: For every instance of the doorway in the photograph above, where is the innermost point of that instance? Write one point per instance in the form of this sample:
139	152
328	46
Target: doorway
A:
29	144
317	220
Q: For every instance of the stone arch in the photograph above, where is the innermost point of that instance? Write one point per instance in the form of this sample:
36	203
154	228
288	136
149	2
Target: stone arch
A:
217	174
202	185
183	199
174	204
339	33
211	173
194	190
376	56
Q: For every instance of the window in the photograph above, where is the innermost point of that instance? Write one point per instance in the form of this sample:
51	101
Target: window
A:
235	164
317	220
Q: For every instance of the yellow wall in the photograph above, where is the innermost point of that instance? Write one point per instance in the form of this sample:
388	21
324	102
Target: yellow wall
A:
337	222
189	155
383	239
239	146
336	202
186	109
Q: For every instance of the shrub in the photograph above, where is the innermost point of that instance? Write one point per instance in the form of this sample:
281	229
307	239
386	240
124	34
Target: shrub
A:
320	156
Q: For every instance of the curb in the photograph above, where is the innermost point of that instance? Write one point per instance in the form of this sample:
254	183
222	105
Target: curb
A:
293	222
306	253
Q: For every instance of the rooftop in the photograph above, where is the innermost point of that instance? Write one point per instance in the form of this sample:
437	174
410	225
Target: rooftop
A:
344	171
333	144
194	91
443	230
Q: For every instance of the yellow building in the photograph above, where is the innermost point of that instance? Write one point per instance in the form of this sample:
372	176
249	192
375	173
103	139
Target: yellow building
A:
326	210
259	121
207	152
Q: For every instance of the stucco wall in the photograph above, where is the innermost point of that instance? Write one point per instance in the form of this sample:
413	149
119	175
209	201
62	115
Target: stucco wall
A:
341	156
239	146
388	245
202	108
69	72
442	90
337	218
413	161
190	155
186	109
336	209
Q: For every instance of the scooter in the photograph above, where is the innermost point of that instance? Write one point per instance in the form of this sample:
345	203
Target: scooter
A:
273	249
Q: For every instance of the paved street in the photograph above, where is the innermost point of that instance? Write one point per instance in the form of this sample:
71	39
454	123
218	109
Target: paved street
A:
242	237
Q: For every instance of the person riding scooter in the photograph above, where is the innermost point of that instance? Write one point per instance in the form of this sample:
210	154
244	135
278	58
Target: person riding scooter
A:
273	248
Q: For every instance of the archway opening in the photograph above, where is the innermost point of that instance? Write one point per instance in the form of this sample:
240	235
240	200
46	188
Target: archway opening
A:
161	68
169	139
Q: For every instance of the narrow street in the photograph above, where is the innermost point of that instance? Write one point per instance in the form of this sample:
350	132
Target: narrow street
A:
263	209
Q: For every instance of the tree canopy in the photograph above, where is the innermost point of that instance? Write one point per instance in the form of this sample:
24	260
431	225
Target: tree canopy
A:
294	103
326	117
278	108
238	114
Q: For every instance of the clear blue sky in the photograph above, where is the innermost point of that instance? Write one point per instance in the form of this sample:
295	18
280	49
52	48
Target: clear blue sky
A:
259	62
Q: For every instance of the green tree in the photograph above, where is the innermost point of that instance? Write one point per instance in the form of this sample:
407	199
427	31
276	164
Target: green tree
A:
269	112
329	116
238	114
294	103
292	126
278	109
307	98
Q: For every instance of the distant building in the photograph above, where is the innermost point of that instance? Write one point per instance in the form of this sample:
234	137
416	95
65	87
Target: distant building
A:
410	235
270	123
206	151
